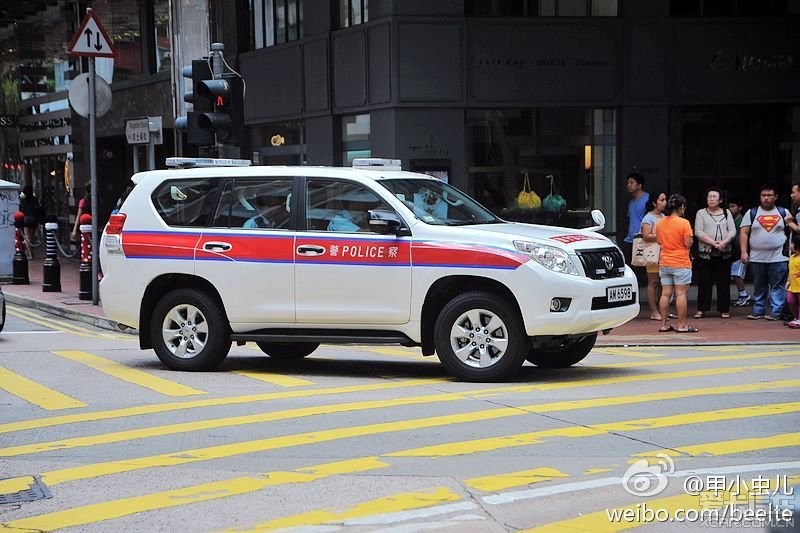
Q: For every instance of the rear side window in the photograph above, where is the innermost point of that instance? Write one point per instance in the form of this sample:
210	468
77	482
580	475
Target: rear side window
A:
186	202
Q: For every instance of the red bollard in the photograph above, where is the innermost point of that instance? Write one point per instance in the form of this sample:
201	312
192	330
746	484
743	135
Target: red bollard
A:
20	262
85	270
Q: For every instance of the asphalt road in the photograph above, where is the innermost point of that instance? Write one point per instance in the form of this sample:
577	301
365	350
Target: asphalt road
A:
95	435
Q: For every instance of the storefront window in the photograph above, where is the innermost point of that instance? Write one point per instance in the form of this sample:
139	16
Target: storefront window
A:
355	138
282	143
574	146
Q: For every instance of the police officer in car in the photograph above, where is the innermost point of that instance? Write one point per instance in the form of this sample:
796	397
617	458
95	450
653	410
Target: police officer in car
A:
271	215
354	213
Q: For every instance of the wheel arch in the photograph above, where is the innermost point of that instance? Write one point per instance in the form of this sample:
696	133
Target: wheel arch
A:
444	289
161	286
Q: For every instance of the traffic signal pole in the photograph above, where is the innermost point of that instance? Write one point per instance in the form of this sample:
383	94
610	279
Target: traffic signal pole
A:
217	69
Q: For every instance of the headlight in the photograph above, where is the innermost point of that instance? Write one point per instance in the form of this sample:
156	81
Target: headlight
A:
550	257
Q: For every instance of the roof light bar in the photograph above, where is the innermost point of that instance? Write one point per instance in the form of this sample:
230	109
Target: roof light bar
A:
376	163
195	162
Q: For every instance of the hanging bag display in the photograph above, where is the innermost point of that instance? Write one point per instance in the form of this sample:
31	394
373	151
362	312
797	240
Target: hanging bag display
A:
553	202
527	198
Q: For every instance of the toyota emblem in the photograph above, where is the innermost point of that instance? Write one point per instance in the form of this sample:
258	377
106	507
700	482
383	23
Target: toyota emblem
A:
608	261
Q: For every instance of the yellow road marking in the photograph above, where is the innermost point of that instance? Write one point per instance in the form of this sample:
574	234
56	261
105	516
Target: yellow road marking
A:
200	425
207	491
388	504
508	480
34	393
64	326
234	400
219	489
274	379
729	447
703	359
593	471
536	437
131	375
230	450
727	348
599	522
196	404
626	352
17	485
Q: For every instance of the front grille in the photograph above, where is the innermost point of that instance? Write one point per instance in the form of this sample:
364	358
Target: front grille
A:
597	266
601	302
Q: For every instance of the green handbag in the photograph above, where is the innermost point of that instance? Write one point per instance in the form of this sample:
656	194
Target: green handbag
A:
553	202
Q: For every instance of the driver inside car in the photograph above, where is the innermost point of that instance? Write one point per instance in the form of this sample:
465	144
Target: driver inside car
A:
354	215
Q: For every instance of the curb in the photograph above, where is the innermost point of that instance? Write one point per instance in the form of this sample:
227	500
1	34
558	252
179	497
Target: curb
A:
86	318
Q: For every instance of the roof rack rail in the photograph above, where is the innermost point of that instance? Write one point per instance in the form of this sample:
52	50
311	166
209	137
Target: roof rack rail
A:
197	162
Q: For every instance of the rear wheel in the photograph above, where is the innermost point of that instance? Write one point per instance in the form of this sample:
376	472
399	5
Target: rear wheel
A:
480	337
564	355
288	350
189	331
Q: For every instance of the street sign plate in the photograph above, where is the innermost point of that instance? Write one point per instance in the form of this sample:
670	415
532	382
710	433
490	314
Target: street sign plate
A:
138	130
79	95
91	39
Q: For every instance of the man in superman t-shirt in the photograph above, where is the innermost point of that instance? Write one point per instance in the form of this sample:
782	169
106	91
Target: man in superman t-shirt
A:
762	239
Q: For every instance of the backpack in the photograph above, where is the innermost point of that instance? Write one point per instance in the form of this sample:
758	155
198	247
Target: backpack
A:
786	228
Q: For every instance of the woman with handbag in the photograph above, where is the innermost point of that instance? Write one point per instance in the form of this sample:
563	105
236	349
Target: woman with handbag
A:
655	212
715	230
675	236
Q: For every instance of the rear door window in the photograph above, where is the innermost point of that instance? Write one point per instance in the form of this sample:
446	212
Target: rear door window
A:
261	203
186	203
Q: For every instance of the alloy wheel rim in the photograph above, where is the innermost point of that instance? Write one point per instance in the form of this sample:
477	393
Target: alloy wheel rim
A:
185	331
479	338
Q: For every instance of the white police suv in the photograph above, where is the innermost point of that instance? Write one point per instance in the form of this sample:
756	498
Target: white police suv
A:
291	257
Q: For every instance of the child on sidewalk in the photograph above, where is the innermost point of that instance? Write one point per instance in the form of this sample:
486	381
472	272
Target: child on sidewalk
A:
738	269
793	283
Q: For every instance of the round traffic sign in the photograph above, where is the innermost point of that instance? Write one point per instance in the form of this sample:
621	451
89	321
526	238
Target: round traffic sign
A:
79	95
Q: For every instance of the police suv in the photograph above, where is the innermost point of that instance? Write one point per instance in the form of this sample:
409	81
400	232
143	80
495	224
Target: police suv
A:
291	257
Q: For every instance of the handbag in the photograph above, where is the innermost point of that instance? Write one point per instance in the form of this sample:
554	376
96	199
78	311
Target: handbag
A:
527	197
644	253
554	202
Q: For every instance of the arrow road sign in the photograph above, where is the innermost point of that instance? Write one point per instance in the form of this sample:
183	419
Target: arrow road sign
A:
91	39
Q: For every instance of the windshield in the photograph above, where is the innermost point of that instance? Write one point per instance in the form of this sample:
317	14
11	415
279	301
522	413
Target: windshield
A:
435	202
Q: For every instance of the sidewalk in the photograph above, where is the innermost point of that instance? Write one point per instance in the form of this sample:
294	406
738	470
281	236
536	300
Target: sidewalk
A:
638	332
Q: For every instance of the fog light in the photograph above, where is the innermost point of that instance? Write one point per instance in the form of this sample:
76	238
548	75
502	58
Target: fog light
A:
560	305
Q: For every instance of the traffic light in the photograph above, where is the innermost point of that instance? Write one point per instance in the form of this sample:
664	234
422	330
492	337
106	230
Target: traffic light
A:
200	73
227	120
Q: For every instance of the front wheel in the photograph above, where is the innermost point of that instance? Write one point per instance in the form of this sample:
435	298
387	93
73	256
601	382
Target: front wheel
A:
563	355
480	337
189	331
288	350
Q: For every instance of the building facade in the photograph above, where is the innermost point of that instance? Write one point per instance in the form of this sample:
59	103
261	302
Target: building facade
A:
689	93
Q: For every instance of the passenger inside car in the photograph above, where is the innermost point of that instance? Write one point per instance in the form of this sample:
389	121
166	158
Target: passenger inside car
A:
354	213
272	212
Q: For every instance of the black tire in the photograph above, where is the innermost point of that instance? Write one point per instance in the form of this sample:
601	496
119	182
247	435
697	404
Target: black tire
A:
503	353
179	346
288	350
565	355
3	324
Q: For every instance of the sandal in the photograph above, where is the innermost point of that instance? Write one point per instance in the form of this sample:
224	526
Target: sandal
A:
689	329
666	329
655	317
699	314
724	315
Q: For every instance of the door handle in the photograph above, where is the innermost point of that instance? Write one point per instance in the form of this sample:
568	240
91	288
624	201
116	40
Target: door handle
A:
310	249
217	246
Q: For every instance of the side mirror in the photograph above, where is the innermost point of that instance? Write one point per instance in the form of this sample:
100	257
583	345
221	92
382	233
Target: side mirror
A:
386	221
599	219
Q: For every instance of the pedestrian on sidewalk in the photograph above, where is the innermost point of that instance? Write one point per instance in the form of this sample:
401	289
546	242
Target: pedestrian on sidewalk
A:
29	206
675	236
637	207
762	240
715	231
84	207
655	212
793	283
738	269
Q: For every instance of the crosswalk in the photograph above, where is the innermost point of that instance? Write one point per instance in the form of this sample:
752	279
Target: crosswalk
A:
388	453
